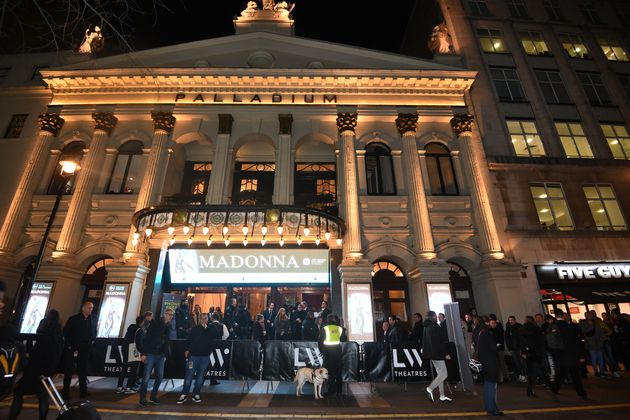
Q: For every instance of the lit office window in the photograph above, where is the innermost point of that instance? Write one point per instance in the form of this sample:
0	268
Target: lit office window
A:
16	125
478	8
525	138
533	43
604	207
552	87
618	140
574	45
517	9
594	88
126	175
551	206
507	84
491	40
613	50
553	9
573	140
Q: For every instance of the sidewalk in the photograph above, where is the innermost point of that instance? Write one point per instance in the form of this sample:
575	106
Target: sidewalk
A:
265	400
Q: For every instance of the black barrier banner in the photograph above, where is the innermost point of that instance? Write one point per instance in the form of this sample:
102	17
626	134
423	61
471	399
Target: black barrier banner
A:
245	360
408	364
377	365
350	361
278	361
219	366
106	357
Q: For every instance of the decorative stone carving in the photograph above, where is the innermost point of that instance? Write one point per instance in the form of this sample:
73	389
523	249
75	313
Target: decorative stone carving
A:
462	123
268	4
93	41
50	122
163	121
225	123
282	10
286	123
441	41
406	123
346	121
251	10
104	121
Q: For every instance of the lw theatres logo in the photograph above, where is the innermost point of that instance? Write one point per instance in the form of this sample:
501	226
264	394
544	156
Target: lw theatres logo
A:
408	363
307	356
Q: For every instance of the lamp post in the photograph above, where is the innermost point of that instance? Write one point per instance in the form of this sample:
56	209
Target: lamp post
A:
69	166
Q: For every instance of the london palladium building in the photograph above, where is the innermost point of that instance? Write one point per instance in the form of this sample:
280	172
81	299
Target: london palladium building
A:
259	166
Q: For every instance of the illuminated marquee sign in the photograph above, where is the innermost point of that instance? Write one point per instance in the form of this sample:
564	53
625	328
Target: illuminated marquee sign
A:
274	98
249	266
567	272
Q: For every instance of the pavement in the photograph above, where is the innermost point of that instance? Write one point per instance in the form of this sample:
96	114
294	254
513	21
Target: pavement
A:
608	397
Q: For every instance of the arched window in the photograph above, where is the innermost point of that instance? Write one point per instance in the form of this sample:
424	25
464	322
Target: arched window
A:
389	286
379	170
440	168
73	151
126	175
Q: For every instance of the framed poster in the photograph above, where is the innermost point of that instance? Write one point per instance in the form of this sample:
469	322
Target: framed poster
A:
36	307
113	308
360	322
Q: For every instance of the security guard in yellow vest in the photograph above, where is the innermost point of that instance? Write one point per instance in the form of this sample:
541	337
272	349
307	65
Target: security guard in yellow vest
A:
330	338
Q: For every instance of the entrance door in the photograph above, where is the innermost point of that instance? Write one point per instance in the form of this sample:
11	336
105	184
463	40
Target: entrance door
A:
389	286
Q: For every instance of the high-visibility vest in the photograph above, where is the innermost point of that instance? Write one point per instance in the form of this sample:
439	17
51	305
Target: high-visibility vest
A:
333	335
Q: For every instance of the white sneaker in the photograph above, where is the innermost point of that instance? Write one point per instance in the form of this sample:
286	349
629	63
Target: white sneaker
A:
120	390
182	399
445	399
429	394
196	398
522	378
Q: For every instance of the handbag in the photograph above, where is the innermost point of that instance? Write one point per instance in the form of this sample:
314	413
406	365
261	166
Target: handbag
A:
133	355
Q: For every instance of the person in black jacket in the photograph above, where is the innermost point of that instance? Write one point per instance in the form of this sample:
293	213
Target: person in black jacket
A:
182	319
199	345
270	315
79	333
532	343
129	369
395	332
416	332
154	351
488	352
297	319
259	330
568	359
43	360
434	347
244	320
310	332
496	328
513	344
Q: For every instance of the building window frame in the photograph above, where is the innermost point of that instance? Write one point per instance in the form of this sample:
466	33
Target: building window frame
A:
590	14
613	50
440	168
131	151
517	9
4	73
550	201
491	41
72	151
618	140
573	140
507	84
594	88
554	10
533	43
574	45
624	79
604	206
16	126
552	86
379	163
525	138
478	8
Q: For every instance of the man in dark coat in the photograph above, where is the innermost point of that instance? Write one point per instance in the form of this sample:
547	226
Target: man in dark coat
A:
324	312
79	333
513	344
310	332
489	358
182	319
434	347
395	332
154	350
416	332
132	367
532	343
270	315
567	360
244	320
297	320
230	318
498	332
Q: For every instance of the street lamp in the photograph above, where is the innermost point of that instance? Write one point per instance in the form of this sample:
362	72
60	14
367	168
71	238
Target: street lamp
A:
69	166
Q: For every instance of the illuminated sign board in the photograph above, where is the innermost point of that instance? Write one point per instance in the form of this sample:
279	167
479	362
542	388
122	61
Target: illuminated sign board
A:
360	322
112	311
569	273
249	266
36	307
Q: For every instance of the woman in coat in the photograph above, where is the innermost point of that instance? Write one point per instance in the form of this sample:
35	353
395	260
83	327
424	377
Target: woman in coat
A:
283	325
489	358
43	361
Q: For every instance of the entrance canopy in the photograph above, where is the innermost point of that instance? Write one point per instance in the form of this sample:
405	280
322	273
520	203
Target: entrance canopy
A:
600	282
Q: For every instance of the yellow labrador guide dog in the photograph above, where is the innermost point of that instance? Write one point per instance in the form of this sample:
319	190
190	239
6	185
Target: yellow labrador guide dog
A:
314	376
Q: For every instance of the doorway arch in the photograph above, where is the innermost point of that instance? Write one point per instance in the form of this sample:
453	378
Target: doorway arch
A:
390	292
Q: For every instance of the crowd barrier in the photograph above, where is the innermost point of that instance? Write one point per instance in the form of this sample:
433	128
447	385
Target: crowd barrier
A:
277	360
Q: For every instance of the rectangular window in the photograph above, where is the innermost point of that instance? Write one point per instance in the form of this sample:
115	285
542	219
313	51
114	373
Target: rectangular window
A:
4	73
525	138
507	83
478	8
613	50
594	88
533	43
573	140
551	206
438	294
574	45
618	140
315	186
590	13
625	82
16	125
604	207
491	40
249	185
552	7
517	9
552	87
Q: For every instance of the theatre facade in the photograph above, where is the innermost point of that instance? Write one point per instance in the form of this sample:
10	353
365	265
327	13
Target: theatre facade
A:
259	166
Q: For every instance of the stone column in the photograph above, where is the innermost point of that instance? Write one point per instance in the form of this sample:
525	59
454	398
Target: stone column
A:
473	159
406	125
163	124
285	158
346	122
220	163
49	126
70	237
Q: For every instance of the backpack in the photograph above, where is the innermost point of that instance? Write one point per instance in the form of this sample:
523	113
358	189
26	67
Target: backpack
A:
10	361
554	337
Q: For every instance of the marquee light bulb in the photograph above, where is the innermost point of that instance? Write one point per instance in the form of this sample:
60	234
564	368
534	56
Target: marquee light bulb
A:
263	241
205	230
186	229
134	242
339	241
148	232
245	242
209	241
225	230
281	241
245	230
327	235
263	230
189	241
299	240
171	241
317	240
280	230
307	231
170	230
136	236
227	241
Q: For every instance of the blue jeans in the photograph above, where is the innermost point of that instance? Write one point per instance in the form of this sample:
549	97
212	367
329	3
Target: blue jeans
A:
597	359
197	366
490	397
153	361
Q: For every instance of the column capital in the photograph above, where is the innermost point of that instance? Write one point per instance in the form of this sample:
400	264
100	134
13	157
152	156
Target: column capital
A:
462	123
104	121
225	123
406	123
163	121
50	122
286	123
346	121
